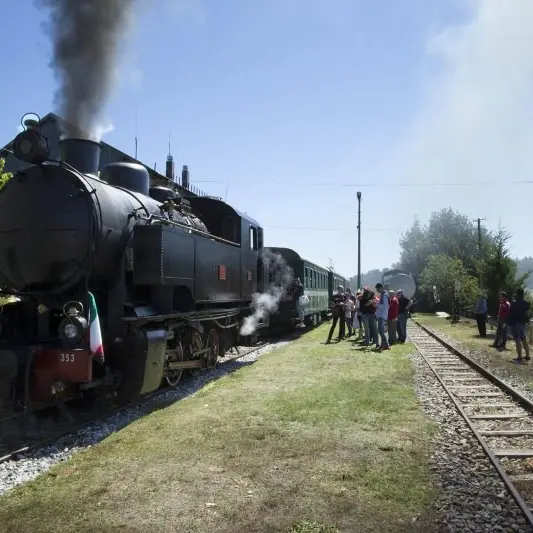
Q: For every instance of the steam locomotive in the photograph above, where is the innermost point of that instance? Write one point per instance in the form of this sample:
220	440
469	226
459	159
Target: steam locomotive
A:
169	279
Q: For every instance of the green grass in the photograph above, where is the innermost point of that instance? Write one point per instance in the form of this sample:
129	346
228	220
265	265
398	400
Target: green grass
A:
465	331
310	439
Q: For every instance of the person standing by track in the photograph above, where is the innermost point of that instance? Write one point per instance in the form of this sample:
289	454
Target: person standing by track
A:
480	312
518	320
392	319
358	317
349	310
501	332
338	308
382	314
368	310
404	304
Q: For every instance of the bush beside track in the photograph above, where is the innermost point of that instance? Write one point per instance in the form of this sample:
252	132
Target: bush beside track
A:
308	435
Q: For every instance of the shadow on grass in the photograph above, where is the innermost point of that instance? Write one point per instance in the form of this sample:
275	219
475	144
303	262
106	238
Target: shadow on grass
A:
488	336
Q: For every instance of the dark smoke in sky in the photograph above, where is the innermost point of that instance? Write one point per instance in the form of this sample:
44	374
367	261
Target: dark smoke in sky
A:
86	35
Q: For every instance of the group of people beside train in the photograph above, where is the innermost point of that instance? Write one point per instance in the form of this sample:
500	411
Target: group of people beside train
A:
378	316
513	319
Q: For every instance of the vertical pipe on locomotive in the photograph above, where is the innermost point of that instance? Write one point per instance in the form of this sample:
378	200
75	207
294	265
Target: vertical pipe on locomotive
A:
82	154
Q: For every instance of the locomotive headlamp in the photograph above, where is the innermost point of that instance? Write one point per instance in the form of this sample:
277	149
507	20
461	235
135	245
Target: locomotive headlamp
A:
72	329
73	326
30	146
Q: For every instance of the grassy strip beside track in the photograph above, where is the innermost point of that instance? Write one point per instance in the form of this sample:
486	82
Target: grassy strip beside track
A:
465	332
309	433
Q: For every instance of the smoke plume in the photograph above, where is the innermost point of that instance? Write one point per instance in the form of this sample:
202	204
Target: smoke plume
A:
281	277
86	35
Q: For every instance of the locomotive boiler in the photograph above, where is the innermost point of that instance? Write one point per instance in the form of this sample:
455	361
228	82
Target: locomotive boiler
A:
171	278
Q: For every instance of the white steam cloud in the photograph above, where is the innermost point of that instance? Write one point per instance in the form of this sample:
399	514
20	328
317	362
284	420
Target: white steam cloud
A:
281	277
477	122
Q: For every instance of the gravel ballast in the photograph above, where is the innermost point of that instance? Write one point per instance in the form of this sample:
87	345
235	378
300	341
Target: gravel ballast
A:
30	465
472	496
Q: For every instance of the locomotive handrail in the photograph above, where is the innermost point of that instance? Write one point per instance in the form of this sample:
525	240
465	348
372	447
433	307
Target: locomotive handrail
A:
193	315
192	229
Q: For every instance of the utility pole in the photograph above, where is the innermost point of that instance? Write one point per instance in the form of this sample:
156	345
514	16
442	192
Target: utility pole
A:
478	220
358	240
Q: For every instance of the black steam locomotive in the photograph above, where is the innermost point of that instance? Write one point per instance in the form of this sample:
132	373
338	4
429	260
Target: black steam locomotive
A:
172	277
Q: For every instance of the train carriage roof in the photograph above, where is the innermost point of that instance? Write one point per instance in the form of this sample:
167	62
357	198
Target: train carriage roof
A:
293	255
336	274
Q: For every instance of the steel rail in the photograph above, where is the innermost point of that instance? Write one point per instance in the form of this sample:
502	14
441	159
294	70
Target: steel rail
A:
528	405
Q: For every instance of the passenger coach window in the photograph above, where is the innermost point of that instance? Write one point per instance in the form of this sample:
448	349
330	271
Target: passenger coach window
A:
253	238
306	282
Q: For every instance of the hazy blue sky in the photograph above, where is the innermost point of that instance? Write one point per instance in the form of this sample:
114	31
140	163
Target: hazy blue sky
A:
294	105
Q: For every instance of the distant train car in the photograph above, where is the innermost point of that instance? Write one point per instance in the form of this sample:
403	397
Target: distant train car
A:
315	282
334	280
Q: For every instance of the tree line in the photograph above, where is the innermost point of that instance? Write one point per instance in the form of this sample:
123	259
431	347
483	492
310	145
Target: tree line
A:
449	248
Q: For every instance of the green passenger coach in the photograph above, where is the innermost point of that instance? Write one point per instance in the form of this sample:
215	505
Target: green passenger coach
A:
334	280
317	282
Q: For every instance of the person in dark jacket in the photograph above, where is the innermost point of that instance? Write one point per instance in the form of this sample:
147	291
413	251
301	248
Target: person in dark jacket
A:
338	304
480	313
518	320
404	304
368	311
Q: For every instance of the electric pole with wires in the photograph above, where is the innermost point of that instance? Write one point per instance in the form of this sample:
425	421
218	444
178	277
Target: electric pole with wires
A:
479	243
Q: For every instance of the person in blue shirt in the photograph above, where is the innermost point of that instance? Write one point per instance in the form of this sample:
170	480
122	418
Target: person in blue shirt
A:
518	320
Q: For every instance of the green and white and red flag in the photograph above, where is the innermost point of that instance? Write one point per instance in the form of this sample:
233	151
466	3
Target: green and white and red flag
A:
95	333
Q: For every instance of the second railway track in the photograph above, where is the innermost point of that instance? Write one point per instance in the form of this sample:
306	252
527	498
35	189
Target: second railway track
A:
500	417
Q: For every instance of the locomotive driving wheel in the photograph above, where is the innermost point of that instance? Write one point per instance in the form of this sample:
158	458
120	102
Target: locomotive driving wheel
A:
213	343
196	344
172	377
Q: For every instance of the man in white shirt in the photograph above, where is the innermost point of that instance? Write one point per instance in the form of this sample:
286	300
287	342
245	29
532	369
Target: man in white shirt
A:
382	315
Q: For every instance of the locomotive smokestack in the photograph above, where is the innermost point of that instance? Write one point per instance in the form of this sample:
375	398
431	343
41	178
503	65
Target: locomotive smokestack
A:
85	37
82	154
185	177
170	168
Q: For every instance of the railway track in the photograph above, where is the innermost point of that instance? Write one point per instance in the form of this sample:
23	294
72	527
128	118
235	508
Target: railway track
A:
86	418
500	417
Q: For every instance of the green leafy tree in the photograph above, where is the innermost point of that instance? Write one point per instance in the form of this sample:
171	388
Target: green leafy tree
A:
414	249
4	176
500	270
447	233
442	271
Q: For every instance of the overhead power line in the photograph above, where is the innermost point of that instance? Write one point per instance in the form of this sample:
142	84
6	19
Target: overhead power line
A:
303	228
385	185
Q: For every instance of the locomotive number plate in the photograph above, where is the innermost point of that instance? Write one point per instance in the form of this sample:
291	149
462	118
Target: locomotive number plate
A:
67	357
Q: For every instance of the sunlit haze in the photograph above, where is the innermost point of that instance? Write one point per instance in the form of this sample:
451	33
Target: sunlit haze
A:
289	107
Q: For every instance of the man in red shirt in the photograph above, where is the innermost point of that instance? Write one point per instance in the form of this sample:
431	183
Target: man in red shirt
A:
392	319
501	331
